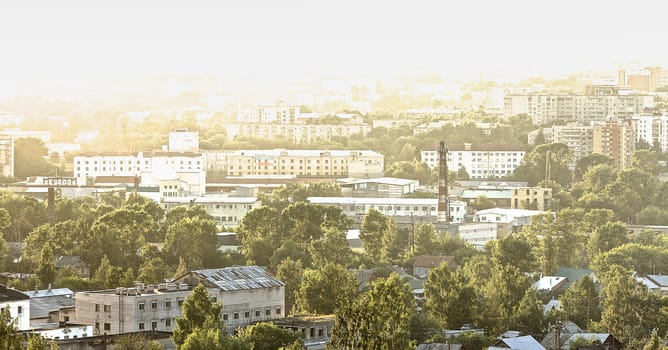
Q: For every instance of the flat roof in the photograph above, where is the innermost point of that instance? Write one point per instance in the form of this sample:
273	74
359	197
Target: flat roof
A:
490	194
379	201
381	180
207	199
304	153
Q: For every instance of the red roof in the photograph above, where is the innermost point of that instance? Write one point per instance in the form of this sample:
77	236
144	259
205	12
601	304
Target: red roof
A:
430	261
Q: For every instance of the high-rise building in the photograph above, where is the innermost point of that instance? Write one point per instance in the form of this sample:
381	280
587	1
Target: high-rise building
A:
578	138
616	140
6	155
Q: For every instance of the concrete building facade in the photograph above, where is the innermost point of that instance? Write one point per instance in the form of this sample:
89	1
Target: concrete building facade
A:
305	163
537	198
299	133
249	294
481	161
226	210
616	140
127	310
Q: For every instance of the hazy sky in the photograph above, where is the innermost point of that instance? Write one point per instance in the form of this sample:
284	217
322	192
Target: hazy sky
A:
70	39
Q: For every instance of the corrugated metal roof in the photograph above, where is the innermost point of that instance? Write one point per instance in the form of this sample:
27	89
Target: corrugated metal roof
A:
239	278
42	306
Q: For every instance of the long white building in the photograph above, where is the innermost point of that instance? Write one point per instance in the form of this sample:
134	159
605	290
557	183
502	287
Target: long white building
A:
545	108
401	209
226	210
299	133
188	168
304	163
481	161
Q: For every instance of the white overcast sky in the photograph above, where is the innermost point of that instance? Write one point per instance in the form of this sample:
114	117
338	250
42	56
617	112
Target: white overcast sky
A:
70	39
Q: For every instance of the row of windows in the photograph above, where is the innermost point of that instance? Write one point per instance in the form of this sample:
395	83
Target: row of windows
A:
154	324
267	312
154	304
106	308
283	161
129	162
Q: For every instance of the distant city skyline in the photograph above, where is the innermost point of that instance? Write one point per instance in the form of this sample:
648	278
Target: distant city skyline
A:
67	42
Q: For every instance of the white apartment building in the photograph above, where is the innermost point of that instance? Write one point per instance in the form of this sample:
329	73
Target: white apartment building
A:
249	293
646	128
305	163
18	304
6	155
579	138
481	161
227	211
299	133
127	310
182	140
544	108
153	168
270	115
402	209
478	233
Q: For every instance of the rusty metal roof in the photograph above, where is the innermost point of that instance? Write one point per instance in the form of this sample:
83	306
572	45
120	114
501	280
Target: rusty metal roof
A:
239	278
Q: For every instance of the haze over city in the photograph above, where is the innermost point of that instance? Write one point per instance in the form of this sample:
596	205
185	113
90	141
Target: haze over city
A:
82	46
328	175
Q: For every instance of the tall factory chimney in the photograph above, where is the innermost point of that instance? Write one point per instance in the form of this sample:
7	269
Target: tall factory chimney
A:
443	207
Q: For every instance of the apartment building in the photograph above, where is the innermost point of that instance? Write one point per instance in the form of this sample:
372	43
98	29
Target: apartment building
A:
403	210
182	140
578	137
299	133
278	114
481	161
249	293
379	187
126	310
616	140
187	167
537	198
545	108
304	163
226	210
6	155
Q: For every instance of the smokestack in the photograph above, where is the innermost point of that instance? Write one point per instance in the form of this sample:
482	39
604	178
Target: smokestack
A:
443	208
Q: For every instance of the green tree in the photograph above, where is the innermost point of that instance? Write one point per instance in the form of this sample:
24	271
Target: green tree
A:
585	163
212	339
260	234
655	342
646	160
395	242
30	158
195	240
37	342
199	312
331	247
630	311
607	237
515	250
448	300
528	315
10	338
290	272
534	163
324	290
379	320
136	342
425	236
107	275
373	225
482	203
267	336
47	267
580	303
153	271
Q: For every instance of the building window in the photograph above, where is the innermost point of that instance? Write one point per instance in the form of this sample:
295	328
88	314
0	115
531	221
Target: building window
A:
267	312
154	305
141	306
179	302
168	304
107	308
247	314
168	322
236	315
97	307
97	326
20	309
141	326
107	326
257	313
224	317
278	311
154	325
